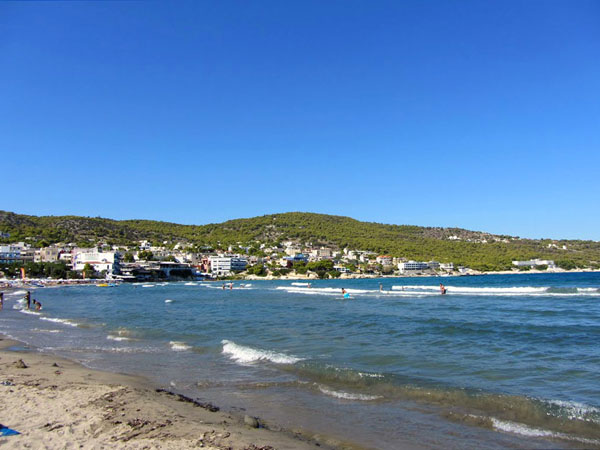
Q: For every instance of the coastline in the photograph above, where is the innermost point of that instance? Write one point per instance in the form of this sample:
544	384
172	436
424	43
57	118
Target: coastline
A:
33	283
59	402
422	275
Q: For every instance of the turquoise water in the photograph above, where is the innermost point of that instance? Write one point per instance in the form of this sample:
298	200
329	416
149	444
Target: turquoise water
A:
500	361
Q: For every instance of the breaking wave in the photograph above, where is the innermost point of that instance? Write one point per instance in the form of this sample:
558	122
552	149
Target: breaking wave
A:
112	337
248	355
61	321
504	291
523	430
179	346
346	395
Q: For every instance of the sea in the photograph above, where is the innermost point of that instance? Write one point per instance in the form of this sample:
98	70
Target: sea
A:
500	361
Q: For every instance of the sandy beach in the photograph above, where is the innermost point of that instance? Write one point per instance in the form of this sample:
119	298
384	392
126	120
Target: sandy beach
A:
56	404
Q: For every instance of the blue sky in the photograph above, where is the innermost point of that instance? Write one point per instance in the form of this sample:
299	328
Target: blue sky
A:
481	115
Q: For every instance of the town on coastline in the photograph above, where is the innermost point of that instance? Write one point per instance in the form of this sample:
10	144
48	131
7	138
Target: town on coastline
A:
146	261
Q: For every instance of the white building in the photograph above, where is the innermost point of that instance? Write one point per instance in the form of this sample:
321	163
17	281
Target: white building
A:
384	260
534	262
225	265
47	254
10	254
293	250
145	245
66	257
365	257
447	266
101	261
412	266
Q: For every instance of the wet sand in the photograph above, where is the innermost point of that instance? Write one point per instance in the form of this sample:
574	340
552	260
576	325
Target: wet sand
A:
56	404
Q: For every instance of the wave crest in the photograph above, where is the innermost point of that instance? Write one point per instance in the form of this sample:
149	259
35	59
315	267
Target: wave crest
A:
248	355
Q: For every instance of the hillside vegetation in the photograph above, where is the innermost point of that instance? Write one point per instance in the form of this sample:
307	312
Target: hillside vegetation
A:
456	245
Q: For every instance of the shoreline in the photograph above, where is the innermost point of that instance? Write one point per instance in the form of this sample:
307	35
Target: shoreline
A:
373	276
33	283
57	401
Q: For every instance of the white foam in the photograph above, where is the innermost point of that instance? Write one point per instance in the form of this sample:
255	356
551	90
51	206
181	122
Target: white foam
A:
347	396
20	304
61	321
190	284
485	290
179	346
40	330
588	289
325	290
248	355
168	300
523	430
117	338
369	375
577	410
147	285
28	311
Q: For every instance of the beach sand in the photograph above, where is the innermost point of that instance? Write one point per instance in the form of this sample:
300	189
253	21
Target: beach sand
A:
59	404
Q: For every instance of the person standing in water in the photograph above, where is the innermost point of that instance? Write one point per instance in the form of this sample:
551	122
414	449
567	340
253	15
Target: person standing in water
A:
442	289
1	300
28	299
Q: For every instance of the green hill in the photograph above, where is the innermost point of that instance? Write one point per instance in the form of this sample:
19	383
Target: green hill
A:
477	250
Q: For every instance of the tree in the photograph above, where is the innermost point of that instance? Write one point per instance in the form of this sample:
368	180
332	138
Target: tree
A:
146	255
128	257
58	270
300	267
89	271
350	267
566	264
257	269
323	265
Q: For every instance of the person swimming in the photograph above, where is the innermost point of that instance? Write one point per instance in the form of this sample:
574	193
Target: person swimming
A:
345	294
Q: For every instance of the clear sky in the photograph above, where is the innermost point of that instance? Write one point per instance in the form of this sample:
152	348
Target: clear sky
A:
478	114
